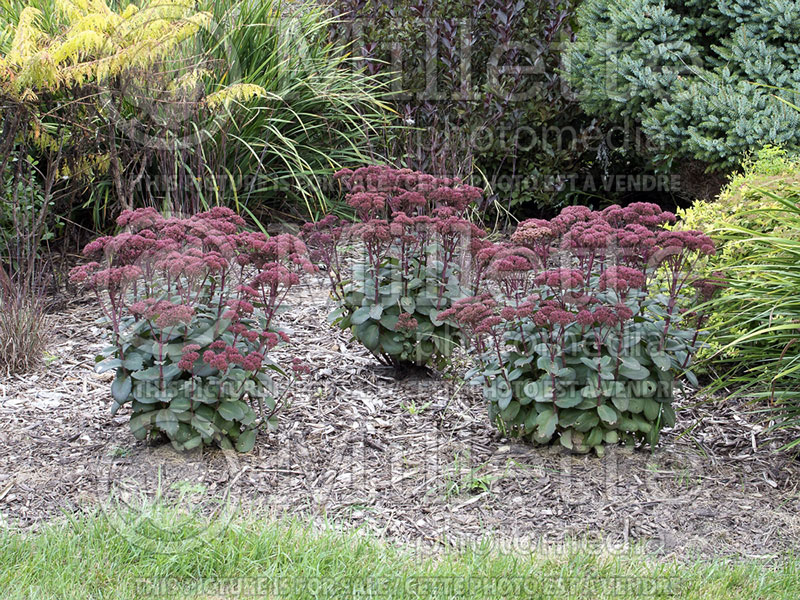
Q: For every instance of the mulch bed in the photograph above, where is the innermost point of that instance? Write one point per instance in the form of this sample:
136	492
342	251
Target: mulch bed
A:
413	459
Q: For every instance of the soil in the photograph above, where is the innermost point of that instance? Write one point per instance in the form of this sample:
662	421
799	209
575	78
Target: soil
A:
413	459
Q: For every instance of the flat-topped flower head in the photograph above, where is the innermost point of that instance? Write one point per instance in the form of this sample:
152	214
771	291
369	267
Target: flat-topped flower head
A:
621	279
223	218
114	279
408	202
404	190
83	273
189	356
374	231
507	259
560	279
367	204
588	236
472	311
274	275
692	240
406	322
645	214
259	250
300	367
253	361
551	314
604	315
140	218
179	314
536	234
571	215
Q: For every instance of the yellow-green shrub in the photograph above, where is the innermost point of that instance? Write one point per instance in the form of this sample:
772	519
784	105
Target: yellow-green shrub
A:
772	170
748	205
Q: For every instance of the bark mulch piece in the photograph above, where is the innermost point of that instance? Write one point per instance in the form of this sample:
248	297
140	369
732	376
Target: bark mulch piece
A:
413	459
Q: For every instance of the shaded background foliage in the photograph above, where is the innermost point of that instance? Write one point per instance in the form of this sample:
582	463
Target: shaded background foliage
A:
164	143
480	87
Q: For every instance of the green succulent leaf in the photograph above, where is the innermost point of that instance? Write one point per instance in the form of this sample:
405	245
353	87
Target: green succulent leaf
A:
122	387
636	374
569	399
607	414
361	315
232	411
107	365
246	440
546	421
661	360
369	335
510	412
167	422
375	312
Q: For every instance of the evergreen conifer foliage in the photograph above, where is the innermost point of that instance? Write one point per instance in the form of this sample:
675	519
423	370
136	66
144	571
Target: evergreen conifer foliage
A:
699	77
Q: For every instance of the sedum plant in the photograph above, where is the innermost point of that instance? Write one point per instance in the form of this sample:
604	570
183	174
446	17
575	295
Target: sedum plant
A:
192	305
580	326
409	238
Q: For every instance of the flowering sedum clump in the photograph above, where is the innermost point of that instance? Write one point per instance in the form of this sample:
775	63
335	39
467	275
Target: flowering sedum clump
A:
581	328
412	243
191	303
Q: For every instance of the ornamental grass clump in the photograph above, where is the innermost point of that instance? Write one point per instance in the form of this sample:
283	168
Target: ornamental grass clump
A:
192	305
581	325
413	247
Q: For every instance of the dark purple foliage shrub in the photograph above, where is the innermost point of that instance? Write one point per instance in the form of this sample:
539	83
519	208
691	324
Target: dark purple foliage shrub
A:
581	325
192	305
480	89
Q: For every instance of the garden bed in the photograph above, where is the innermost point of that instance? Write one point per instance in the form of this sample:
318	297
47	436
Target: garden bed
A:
413	459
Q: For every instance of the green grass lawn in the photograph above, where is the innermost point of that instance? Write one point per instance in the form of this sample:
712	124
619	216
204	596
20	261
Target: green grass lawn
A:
86	558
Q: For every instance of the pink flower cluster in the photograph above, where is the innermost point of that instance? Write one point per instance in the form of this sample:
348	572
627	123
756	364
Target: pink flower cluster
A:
508	259
300	367
536	234
632	235
560	279
477	313
403	190
221	356
93	276
692	240
558	273
367	203
708	287
551	314
400	215
167	271
640	213
165	314
189	356
621	279
406	322
588	236
209	242
258	250
206	247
